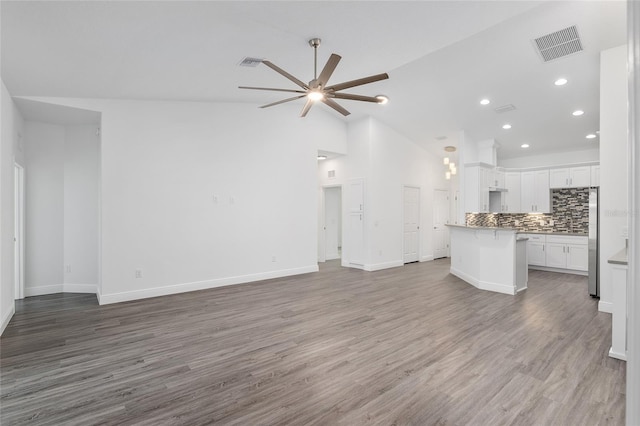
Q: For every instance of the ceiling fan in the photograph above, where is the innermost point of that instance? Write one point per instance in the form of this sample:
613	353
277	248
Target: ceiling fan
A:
317	89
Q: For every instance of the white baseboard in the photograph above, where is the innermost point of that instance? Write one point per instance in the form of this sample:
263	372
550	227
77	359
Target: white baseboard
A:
428	258
60	288
560	270
80	288
7	317
617	355
42	290
105	299
605	307
386	265
484	285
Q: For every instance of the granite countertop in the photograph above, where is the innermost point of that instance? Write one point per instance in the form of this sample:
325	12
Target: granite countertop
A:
572	234
518	231
620	258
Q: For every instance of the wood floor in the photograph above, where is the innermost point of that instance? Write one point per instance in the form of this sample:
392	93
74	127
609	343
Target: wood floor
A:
411	345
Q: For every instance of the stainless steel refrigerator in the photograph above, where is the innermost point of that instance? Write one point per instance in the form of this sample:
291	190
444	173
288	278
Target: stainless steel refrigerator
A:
594	251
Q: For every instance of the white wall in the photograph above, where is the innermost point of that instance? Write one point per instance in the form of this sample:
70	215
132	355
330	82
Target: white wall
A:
198	195
11	132
555	159
44	208
387	161
613	163
81	189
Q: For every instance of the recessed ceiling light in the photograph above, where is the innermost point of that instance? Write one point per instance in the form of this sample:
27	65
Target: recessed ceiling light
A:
591	136
322	157
578	112
560	82
382	99
485	102
524	145
506	126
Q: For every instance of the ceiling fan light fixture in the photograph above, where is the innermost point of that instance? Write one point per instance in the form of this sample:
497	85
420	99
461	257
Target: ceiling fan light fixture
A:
382	99
315	95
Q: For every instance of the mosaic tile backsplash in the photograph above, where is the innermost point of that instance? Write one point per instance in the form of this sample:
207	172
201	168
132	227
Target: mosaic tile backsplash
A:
570	207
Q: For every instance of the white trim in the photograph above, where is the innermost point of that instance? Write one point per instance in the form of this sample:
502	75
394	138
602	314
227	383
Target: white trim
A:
80	288
606	307
617	355
7	318
560	270
426	258
43	289
105	299
379	266
484	285
633	156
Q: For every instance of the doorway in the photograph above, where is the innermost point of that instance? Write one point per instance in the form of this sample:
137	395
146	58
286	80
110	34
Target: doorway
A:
411	224
18	232
332	226
440	219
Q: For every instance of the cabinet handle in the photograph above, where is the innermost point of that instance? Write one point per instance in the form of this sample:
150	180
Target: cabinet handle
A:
543	247
568	249
563	249
360	206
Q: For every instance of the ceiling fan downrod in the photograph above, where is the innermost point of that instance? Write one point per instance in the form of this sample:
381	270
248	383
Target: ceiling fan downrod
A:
315	42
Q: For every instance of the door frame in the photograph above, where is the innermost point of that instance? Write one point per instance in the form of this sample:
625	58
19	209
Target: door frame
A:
322	226
18	227
447	220
419	222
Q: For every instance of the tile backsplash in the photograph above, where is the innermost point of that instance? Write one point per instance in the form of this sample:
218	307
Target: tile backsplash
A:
570	207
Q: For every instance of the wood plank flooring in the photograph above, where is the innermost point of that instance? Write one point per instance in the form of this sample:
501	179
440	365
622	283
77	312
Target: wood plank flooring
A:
404	346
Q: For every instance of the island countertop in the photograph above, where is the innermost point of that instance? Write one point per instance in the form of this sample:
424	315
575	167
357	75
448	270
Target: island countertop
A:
520	231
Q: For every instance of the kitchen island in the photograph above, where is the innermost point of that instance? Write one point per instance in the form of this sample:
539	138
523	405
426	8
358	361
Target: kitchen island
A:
493	259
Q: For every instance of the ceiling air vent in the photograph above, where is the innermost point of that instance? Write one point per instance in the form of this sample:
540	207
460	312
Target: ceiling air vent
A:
558	44
250	62
505	108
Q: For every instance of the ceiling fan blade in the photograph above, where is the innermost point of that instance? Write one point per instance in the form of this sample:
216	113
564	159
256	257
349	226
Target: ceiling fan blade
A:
358	82
283	101
306	108
333	104
354	97
286	74
269	88
328	69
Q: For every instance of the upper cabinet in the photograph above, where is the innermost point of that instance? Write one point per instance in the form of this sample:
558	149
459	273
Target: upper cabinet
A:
535	195
476	186
496	190
512	196
570	177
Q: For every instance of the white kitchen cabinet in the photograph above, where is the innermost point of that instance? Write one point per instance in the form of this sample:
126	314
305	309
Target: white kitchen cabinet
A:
567	252
476	185
570	177
512	196
535	195
595	175
498	177
536	250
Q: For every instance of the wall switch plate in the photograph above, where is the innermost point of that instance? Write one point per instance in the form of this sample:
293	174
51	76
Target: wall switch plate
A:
68	269
138	273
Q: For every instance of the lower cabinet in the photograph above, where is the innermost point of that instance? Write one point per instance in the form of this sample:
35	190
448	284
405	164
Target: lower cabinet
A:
558	251
535	250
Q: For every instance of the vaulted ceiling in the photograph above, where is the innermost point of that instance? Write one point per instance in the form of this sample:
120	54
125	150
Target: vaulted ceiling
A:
442	58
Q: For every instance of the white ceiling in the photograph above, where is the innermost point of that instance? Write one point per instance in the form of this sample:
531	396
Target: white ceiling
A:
442	58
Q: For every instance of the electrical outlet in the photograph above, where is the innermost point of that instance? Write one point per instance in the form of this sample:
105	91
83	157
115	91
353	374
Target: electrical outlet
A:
215	199
138	273
273	258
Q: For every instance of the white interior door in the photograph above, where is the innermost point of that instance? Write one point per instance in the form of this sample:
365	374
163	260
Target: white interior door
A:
333	222
440	219
18	233
411	229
